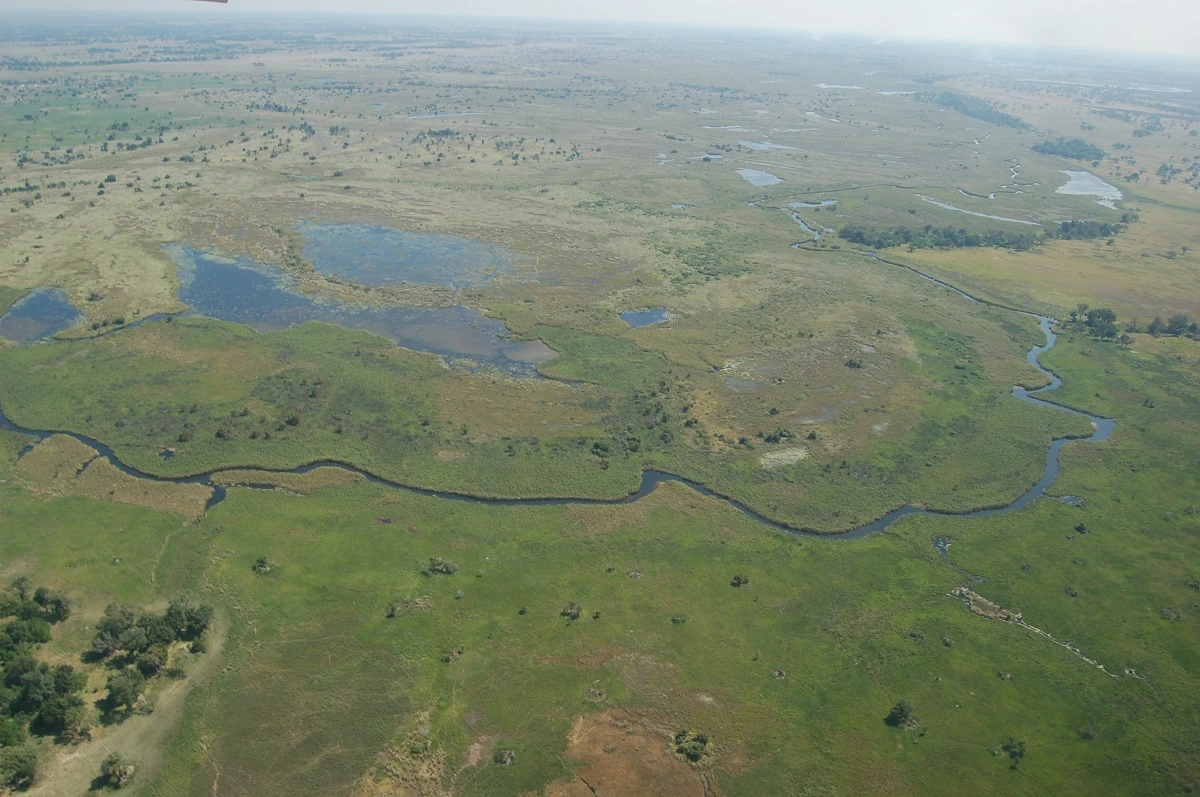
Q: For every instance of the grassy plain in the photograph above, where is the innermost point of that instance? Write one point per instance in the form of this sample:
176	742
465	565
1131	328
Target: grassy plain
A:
322	691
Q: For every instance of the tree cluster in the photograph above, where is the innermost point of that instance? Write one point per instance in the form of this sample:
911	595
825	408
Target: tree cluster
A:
974	107
1074	148
1177	325
137	643
34	697
931	237
1084	230
1099	322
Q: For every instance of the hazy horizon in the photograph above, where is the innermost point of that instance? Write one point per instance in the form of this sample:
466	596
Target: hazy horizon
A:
1163	27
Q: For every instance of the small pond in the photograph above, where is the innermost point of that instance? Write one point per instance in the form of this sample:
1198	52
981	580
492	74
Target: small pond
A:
39	316
1088	184
759	178
267	299
762	145
372	255
824	203
644	318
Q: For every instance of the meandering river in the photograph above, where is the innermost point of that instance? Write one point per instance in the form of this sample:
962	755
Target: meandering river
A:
1103	428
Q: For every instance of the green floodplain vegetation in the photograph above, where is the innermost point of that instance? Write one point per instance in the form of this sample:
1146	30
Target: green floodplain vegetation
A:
337	636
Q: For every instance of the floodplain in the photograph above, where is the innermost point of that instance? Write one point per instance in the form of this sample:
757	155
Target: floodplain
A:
507	393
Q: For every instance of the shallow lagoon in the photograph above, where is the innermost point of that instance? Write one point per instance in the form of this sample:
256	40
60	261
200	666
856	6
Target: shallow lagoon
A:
384	256
267	299
759	178
1088	184
644	318
38	316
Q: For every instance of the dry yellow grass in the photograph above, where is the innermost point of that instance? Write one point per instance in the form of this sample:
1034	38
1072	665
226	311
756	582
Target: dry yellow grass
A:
300	483
61	466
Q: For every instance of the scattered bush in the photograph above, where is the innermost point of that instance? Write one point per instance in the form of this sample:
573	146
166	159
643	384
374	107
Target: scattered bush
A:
901	715
440	567
117	771
691	746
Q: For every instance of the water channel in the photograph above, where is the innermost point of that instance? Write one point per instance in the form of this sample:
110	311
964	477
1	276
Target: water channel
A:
1102	429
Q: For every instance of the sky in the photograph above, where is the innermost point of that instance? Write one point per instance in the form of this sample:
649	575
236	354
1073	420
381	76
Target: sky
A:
1152	26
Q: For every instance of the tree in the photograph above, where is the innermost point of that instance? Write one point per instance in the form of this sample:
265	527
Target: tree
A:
188	618
64	714
21	587
55	607
11	733
113	628
1177	324
18	766
125	688
901	715
1016	750
116	771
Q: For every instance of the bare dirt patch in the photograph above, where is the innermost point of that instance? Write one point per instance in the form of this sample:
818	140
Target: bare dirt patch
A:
619	754
787	456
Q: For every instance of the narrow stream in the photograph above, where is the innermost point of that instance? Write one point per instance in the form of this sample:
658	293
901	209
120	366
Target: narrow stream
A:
1103	428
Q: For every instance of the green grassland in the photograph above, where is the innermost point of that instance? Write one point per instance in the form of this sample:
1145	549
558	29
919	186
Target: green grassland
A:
312	658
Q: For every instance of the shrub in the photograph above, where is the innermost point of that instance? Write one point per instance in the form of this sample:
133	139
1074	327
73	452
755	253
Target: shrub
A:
691	746
901	715
439	566
117	771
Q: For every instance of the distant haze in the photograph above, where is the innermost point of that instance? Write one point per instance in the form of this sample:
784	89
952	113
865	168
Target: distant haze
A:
1152	26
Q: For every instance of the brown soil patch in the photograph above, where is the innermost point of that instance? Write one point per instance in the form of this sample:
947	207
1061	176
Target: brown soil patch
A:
983	607
62	466
449	455
622	756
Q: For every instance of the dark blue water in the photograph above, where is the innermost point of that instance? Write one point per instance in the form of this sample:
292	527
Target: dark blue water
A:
39	316
267	299
384	256
644	318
